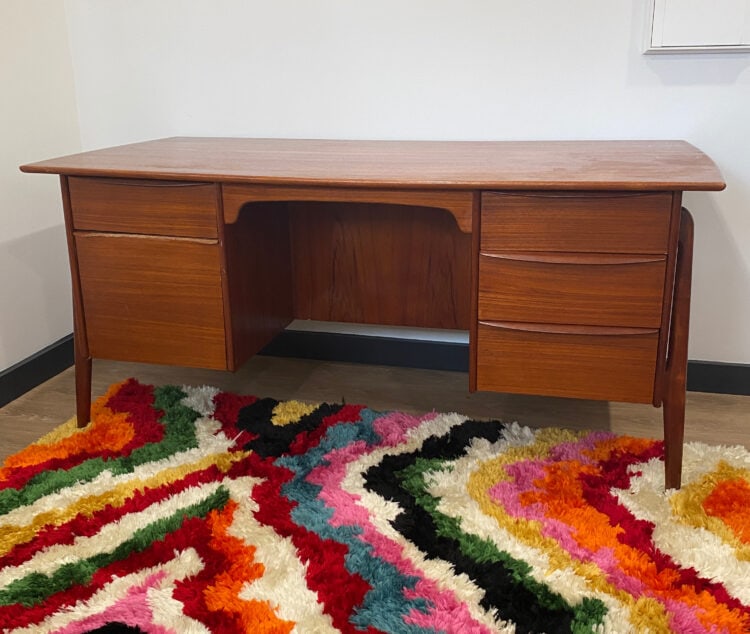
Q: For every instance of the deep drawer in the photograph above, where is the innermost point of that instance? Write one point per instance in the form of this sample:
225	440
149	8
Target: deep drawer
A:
600	223
167	208
615	364
603	290
153	300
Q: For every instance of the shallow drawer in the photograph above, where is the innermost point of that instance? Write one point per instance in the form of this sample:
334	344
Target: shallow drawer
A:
168	208
619	366
153	300
595	289
607	223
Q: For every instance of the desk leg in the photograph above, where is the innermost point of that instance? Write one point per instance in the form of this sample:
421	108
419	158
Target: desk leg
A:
676	368
83	388
82	360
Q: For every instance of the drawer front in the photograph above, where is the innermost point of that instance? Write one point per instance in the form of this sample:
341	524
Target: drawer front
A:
153	300
615	366
164	208
602	290
607	223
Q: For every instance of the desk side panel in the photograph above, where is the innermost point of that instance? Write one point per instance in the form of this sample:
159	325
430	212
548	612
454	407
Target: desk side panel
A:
258	275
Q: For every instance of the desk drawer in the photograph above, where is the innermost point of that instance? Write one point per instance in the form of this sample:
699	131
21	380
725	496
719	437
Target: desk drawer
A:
601	223
153	300
167	208
593	289
616	364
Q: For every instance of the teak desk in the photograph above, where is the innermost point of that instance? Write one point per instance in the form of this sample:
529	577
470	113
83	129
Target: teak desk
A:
569	263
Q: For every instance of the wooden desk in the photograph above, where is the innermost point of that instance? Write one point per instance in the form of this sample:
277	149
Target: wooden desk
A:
569	263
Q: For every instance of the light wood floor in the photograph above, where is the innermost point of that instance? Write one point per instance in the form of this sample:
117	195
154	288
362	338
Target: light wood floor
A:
711	418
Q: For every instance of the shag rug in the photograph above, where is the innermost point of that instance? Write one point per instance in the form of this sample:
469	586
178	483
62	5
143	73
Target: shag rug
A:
189	510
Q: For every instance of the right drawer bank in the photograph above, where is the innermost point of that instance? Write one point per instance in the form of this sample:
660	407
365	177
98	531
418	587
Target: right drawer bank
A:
571	293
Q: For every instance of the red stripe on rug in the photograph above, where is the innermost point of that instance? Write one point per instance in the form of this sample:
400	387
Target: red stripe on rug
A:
227	407
326	569
310	438
212	596
159	552
638	534
87	525
127	403
192	533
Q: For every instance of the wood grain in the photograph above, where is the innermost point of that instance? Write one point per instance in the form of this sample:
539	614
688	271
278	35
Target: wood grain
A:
150	207
551	165
459	204
594	289
476	232
676	368
82	356
380	264
618	367
258	276
149	299
660	382
610	223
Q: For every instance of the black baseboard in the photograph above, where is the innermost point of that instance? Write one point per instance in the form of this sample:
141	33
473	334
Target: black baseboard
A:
35	370
405	353
703	376
719	378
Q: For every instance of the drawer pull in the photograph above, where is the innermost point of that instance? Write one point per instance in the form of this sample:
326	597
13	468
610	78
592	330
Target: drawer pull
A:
565	329
577	258
83	235
590	195
144	182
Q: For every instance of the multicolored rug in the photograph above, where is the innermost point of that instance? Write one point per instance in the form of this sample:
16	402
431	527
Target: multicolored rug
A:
186	510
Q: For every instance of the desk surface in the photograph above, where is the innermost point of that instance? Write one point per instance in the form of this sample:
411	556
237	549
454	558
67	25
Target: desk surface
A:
538	165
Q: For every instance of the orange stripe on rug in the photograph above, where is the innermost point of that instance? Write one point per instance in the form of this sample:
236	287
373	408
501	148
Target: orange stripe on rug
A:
108	431
223	595
729	502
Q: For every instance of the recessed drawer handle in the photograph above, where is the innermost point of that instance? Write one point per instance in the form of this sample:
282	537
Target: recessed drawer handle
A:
558	329
588	196
577	258
145	182
142	236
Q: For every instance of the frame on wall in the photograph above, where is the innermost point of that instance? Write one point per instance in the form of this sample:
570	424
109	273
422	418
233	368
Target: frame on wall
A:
697	26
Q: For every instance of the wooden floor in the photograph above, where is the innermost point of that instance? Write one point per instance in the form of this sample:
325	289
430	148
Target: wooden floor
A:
711	418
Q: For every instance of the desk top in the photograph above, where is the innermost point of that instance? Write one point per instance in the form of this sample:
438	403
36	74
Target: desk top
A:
539	165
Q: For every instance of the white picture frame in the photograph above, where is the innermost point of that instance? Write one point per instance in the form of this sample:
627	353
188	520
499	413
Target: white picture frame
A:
695	26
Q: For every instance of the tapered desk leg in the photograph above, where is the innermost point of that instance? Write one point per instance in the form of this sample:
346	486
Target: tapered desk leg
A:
83	382
676	368
83	391
82	358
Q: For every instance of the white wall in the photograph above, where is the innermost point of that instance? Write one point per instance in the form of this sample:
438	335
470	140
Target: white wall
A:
430	69
38	119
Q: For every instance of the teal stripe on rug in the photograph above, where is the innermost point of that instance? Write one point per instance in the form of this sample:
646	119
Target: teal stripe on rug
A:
385	606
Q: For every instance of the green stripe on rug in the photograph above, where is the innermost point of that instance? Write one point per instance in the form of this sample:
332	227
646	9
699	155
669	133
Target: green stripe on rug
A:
36	587
179	436
588	615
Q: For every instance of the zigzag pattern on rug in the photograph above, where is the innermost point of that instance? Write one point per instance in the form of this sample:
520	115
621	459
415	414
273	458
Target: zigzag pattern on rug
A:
181	510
